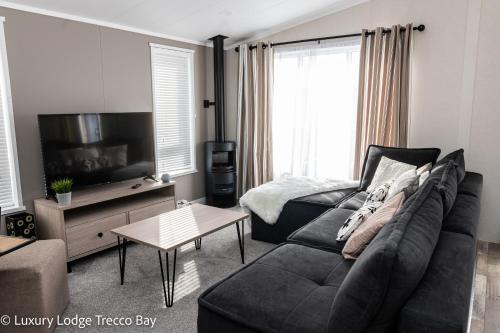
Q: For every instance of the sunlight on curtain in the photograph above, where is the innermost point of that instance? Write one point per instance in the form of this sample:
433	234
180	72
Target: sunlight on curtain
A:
314	109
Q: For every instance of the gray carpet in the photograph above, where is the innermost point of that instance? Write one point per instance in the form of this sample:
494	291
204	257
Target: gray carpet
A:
95	288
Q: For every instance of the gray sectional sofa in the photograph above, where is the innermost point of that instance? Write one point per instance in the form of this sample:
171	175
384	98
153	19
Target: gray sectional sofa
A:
415	275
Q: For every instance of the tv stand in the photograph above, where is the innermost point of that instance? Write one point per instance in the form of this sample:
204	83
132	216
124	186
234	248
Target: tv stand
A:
153	178
84	225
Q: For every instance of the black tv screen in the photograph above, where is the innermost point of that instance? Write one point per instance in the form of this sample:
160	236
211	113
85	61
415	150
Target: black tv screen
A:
97	148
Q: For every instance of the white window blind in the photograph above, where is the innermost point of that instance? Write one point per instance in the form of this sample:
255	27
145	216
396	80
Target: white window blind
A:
10	192
173	101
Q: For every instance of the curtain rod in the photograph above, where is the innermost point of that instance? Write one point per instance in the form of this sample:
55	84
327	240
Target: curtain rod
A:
421	27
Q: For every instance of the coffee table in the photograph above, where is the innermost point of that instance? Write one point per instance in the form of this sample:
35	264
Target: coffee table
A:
169	231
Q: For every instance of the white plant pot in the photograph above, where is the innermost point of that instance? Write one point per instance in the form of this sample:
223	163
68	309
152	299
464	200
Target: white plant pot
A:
63	199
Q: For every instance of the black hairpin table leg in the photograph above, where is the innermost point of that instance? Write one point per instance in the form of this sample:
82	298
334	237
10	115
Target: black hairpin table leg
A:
197	243
168	291
241	239
122	253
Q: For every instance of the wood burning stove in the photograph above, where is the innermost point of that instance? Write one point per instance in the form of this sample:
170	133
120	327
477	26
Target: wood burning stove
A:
220	164
220	155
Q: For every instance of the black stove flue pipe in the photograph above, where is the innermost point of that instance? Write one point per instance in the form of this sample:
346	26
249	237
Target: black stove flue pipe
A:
220	119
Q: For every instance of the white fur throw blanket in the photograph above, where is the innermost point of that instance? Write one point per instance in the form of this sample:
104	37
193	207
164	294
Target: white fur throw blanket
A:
268	200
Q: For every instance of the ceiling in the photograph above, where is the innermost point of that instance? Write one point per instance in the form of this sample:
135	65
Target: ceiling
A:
190	20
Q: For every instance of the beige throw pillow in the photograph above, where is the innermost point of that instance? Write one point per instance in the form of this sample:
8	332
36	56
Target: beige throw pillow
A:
363	235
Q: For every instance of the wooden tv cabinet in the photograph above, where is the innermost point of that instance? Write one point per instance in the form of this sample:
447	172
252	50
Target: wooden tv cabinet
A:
84	225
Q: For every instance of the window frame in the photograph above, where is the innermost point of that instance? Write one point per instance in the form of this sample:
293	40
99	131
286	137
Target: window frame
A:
189	53
10	130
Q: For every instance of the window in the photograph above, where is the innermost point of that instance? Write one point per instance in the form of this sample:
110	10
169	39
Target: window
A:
173	103
314	109
10	188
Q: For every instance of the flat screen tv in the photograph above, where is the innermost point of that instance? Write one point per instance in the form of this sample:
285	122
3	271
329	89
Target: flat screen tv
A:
97	148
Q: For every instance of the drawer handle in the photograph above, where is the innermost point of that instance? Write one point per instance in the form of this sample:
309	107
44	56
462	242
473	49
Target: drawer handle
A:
100	235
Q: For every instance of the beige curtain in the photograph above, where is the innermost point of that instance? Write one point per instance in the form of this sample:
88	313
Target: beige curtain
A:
383	97
254	161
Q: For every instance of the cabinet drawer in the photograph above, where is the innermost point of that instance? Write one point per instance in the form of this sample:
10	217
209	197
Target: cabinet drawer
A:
89	236
150	211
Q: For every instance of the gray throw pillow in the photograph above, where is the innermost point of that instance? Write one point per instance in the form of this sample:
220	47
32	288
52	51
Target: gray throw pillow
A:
458	159
448	186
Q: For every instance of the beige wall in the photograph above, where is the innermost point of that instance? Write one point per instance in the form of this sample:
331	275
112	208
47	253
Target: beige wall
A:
61	66
452	104
484	143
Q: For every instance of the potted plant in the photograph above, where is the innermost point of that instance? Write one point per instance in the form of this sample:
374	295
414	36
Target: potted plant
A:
62	187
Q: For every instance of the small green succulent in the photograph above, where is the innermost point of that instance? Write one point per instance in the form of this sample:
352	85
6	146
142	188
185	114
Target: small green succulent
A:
62	185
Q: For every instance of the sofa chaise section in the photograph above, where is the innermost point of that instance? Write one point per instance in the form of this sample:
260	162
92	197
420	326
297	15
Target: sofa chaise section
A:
298	212
290	289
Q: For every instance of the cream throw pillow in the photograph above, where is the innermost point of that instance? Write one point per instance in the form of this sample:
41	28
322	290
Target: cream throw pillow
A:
423	177
424	168
363	235
407	180
387	171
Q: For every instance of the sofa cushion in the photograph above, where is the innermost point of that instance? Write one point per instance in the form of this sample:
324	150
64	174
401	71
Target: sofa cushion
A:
354	202
290	289
322	232
413	156
390	268
464	215
458	159
472	184
441	301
